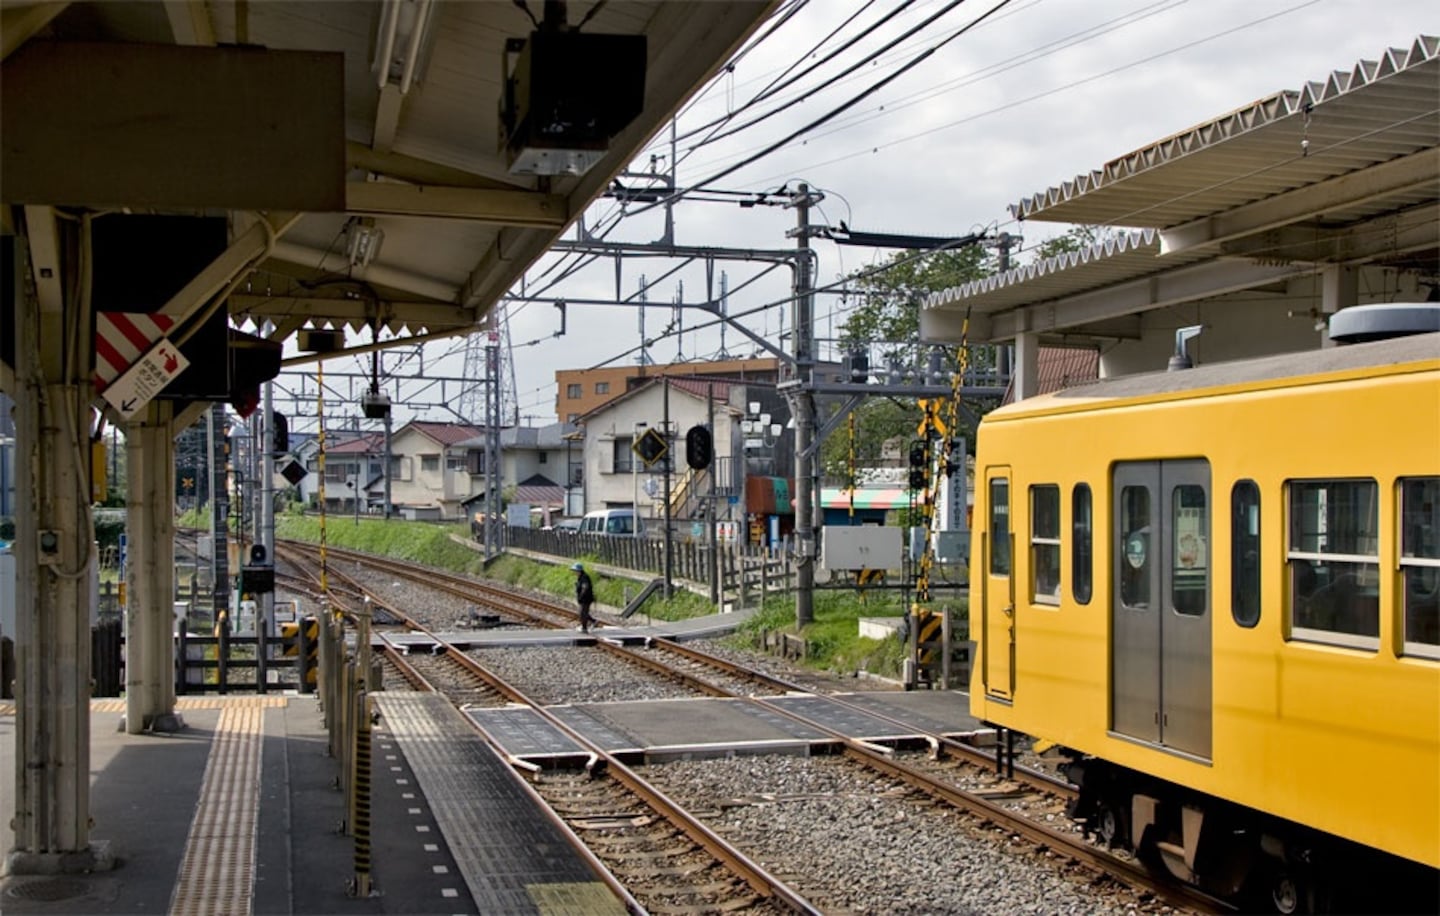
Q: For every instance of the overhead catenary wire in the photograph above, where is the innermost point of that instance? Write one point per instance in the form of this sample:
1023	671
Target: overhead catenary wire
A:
840	109
872	148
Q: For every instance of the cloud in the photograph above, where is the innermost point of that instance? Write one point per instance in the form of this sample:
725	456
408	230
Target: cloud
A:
1044	91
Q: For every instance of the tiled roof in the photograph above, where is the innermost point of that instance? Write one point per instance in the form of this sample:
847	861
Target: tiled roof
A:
354	445
1059	368
446	433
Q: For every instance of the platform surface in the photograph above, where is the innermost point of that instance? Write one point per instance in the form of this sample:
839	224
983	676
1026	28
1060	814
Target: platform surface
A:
453	830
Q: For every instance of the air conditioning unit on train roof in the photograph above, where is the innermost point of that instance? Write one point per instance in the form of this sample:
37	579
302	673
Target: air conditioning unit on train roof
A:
566	95
1383	320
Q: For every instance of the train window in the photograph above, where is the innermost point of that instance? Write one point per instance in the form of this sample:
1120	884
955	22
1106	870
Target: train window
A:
999	527
1082	549
1045	544
1334	560
1245	553
1135	538
1190	532
1420	564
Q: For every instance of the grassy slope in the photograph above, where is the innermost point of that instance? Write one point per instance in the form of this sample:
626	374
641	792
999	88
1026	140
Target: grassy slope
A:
833	637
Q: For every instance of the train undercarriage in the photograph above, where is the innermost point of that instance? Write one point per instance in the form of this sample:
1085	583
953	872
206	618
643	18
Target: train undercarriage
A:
1246	857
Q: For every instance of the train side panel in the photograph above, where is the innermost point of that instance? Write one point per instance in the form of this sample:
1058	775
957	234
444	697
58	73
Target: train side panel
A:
1346	740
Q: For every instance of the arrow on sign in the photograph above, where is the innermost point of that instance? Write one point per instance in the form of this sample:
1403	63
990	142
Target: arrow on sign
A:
147	378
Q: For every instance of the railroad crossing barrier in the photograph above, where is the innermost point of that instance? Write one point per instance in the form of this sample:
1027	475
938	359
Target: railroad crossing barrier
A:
302	641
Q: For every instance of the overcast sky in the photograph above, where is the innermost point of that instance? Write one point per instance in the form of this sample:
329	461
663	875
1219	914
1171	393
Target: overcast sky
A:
1036	94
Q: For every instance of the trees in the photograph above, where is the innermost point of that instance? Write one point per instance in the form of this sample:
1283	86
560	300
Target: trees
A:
886	324
889	309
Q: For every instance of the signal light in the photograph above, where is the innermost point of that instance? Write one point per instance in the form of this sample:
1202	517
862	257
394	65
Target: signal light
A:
917	454
699	448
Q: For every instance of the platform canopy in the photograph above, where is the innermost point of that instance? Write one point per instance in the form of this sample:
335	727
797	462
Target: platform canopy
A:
1339	172
365	155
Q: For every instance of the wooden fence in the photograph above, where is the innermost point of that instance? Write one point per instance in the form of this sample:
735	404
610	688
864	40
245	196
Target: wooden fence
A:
748	572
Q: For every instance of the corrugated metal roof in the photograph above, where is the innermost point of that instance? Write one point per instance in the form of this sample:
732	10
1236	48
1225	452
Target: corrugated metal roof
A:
1377	111
1122	257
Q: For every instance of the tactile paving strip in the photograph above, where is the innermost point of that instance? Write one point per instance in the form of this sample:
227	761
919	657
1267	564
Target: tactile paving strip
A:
7	707
217	871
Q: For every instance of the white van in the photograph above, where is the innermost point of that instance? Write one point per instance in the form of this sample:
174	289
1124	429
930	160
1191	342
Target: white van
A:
621	522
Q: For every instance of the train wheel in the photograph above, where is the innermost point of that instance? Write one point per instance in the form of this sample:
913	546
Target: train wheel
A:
1108	825
1289	894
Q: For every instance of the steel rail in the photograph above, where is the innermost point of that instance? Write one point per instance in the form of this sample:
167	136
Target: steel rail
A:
1045	837
748	870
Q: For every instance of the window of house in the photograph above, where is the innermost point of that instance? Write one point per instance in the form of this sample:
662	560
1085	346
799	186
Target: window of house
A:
475	461
602	387
429	462
999	527
454	462
573	391
624	459
544	458
1420	564
1245	553
1045	544
1334	562
1082	543
571	417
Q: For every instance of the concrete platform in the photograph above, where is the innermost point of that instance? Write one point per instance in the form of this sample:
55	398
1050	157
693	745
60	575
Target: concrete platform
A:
455	830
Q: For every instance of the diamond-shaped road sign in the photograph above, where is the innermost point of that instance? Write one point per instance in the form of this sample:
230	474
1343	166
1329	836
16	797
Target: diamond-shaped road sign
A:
650	446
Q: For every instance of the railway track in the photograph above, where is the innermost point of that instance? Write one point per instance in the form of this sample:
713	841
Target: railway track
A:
1024	804
656	852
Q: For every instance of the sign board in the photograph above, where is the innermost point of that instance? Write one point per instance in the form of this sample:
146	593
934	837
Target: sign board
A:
517	515
651	446
141	382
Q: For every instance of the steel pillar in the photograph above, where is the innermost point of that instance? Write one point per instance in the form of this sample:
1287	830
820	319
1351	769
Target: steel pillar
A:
55	592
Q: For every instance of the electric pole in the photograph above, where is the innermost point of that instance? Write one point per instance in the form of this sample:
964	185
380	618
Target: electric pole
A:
802	409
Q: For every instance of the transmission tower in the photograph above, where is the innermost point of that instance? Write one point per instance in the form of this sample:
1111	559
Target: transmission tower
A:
473	400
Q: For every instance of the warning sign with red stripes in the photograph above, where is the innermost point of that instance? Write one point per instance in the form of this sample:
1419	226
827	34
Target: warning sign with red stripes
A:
121	338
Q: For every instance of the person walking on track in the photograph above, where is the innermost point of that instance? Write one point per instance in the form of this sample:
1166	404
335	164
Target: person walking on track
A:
584	596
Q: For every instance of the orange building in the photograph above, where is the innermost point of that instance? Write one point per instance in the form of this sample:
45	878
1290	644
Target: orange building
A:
579	391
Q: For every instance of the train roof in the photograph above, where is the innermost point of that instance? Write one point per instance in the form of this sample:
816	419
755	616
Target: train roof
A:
1355	360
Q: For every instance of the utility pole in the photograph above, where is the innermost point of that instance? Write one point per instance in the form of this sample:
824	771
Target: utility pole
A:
493	476
802	409
710	499
669	457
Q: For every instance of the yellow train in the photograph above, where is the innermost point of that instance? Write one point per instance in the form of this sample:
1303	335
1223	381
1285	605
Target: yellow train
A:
1217	591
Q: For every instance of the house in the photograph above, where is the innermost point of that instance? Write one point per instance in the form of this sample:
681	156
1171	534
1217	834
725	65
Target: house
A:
534	466
354	465
615	476
581	391
431	472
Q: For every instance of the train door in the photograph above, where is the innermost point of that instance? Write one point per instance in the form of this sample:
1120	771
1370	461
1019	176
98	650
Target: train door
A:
997	603
1160	655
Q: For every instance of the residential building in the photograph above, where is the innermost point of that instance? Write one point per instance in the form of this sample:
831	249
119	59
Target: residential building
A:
615	476
354	468
580	391
534	466
431	469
